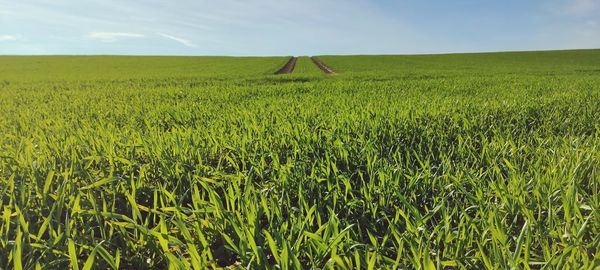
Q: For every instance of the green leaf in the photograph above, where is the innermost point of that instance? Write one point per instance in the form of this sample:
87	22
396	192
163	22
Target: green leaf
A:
72	254
89	263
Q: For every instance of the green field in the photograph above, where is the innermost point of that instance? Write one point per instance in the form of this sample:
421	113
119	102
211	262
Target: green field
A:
464	161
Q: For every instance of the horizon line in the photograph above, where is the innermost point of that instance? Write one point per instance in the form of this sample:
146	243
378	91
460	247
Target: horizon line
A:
292	55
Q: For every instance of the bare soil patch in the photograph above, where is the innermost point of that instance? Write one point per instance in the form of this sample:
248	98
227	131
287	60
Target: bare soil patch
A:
322	65
288	67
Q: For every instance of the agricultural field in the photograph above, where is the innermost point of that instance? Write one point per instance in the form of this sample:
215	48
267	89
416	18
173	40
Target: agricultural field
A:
461	161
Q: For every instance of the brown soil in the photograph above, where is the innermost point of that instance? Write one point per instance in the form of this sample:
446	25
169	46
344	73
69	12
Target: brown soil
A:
322	65
288	67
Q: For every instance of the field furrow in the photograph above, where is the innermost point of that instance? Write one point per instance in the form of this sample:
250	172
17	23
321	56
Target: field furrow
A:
288	67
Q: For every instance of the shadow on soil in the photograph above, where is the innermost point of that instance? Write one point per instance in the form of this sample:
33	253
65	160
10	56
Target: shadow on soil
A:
282	80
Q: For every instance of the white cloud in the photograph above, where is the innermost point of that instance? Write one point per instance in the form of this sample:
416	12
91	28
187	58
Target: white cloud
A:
185	42
582	7
227	27
7	38
113	36
570	24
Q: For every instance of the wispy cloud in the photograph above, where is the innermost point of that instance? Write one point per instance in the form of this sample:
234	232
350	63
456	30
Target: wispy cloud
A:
7	38
113	36
582	7
309	27
185	42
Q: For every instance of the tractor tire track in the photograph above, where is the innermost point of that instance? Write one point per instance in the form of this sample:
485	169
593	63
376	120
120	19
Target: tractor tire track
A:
322	65
288	67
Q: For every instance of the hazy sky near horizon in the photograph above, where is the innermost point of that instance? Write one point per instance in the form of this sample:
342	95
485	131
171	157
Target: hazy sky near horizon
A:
285	27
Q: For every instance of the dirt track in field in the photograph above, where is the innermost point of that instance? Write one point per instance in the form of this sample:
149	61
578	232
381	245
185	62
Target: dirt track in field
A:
288	67
322	65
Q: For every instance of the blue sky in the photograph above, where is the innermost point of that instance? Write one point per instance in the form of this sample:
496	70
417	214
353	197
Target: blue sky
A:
302	27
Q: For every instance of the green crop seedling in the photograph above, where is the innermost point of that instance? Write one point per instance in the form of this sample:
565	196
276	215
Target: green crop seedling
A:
465	161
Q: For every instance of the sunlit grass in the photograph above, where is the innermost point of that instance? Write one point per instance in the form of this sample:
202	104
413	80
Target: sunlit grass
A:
388	167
